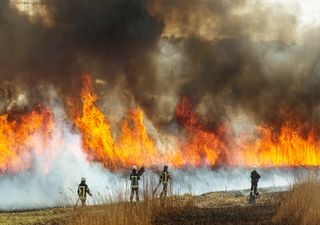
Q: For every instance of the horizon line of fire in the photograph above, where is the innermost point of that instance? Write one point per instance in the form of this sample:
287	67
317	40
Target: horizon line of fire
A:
197	146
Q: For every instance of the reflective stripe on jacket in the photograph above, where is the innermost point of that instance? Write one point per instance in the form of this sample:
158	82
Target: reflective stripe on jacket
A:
83	190
165	176
134	180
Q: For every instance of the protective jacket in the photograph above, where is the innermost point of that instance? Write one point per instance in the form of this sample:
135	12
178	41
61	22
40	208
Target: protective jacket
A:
164	177
255	177
83	190
134	177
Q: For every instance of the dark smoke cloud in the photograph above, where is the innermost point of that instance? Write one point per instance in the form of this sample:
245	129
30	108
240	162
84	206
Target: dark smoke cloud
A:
114	33
108	38
240	55
244	56
31	52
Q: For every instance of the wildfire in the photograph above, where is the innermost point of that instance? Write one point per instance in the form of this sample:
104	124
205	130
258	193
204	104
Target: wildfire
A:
197	145
95	127
133	145
200	147
289	148
18	139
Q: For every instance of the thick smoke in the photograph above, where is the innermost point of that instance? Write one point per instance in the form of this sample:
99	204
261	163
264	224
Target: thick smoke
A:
108	38
227	57
241	55
53	178
244	56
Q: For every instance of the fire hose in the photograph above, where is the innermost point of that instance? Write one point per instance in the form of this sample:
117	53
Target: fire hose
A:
155	190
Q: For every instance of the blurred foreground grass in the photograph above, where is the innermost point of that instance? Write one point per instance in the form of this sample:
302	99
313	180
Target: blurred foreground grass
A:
209	208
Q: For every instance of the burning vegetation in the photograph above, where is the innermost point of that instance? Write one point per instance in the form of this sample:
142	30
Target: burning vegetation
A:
95	87
197	144
23	139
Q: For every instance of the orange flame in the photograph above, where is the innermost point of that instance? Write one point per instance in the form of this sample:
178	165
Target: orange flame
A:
289	148
18	141
95	128
196	146
201	147
133	145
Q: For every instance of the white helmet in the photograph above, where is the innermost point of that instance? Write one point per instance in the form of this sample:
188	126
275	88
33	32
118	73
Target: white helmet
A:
134	167
83	179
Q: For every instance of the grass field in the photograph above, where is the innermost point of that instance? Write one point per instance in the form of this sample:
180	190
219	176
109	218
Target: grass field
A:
210	208
298	206
38	217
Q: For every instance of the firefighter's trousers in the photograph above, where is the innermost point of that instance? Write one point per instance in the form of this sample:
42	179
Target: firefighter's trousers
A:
254	187
83	201
134	191
164	190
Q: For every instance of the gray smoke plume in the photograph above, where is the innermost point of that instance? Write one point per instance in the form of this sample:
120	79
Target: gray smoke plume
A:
243	55
108	38
228	57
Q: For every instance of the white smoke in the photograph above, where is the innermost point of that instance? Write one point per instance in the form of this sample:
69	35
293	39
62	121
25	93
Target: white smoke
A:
54	176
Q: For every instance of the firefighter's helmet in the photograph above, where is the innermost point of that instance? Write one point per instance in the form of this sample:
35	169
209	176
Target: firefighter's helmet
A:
134	167
165	167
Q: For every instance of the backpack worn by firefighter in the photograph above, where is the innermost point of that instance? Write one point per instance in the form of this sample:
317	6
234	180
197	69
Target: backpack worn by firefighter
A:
164	179
134	178
83	190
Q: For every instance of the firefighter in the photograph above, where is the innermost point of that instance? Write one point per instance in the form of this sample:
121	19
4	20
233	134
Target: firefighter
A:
83	190
134	178
254	182
164	179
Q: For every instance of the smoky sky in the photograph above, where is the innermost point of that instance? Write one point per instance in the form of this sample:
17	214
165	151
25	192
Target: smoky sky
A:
234	55
107	35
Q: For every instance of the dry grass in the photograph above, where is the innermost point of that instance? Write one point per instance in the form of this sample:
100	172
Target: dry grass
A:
122	212
211	208
126	213
301	205
36	217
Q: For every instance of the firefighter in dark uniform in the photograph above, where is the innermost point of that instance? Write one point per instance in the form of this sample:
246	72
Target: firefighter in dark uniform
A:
254	182
134	178
164	179
83	190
